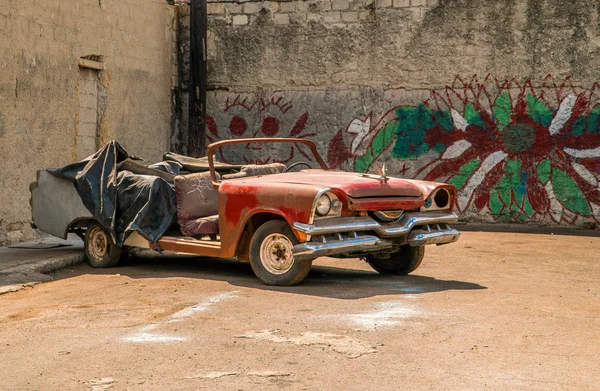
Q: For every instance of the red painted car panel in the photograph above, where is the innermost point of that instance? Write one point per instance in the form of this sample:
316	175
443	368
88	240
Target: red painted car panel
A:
353	184
291	197
240	199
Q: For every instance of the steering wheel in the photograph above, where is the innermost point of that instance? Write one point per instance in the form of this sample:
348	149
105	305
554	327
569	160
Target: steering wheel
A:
297	164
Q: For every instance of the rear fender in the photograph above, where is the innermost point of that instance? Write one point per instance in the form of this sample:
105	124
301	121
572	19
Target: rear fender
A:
56	205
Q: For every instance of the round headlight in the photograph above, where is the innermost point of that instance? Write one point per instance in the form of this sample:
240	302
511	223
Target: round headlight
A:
441	198
323	205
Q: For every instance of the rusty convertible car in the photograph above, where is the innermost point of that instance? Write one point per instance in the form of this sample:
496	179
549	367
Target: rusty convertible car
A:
277	219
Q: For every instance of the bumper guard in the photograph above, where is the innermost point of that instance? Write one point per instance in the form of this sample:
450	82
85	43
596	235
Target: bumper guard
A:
386	230
433	229
356	244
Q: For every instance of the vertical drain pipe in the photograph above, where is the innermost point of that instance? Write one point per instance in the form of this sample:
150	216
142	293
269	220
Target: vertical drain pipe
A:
197	86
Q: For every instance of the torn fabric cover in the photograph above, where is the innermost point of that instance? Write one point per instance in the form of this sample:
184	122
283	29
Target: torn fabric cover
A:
120	200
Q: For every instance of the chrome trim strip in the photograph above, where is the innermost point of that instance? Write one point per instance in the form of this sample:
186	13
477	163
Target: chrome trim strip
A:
312	250
399	228
422	238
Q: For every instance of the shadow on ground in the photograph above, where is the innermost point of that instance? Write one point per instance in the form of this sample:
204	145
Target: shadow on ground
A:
322	281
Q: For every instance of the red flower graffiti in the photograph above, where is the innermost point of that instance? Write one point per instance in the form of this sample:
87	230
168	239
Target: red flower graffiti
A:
256	117
514	154
518	150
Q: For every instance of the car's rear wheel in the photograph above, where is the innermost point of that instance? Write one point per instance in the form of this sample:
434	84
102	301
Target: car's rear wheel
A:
99	247
403	262
271	255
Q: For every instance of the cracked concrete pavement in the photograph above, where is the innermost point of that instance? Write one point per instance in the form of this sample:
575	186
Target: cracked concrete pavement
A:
492	311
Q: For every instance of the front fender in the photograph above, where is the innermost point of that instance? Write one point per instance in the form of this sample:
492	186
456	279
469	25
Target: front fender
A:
240	200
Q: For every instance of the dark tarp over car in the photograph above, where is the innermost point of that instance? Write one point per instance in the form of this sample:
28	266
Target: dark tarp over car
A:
126	196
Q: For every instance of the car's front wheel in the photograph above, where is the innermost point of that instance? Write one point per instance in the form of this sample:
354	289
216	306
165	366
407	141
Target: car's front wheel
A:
271	255
100	250
403	262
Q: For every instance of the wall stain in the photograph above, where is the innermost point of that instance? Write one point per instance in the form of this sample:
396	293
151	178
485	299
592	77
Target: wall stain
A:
500	19
578	46
534	34
2	125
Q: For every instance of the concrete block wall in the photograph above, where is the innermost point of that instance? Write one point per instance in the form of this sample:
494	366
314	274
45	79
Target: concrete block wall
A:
41	92
497	97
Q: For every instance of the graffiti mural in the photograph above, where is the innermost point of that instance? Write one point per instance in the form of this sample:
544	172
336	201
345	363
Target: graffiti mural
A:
249	117
514	151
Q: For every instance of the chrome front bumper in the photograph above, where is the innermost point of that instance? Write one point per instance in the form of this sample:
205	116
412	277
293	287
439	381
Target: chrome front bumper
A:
433	234
386	230
346	235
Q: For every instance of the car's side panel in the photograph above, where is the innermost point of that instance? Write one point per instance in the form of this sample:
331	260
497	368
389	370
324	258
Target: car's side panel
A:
239	200
55	204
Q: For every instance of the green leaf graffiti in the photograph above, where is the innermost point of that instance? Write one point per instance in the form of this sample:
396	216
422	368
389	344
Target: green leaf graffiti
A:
568	193
543	170
495	204
381	141
593	120
513	173
472	115
527	207
579	126
502	109
508	198
444	119
413	124
465	172
409	129
539	111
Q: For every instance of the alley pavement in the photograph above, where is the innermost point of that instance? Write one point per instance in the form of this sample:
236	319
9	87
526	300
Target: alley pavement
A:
493	311
25	264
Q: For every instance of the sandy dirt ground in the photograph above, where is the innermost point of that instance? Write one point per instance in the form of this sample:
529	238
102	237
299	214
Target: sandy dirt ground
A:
492	311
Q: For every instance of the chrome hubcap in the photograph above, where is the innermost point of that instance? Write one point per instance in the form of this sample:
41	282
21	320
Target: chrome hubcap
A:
98	243
276	254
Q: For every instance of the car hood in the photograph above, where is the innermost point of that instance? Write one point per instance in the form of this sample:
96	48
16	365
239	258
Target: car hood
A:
353	184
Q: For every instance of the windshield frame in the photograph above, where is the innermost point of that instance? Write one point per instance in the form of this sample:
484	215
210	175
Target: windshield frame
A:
212	147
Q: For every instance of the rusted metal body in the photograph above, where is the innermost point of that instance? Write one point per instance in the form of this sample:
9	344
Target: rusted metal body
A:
292	196
303	215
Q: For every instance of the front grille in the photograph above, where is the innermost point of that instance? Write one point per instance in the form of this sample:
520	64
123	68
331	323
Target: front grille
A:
338	236
387	216
432	227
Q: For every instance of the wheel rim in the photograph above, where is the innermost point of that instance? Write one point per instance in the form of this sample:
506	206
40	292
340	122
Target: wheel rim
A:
98	245
276	254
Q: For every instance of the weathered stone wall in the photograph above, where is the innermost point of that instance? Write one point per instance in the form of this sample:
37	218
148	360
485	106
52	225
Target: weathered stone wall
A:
43	103
497	97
